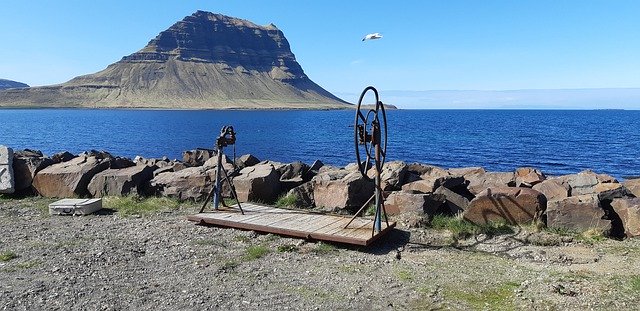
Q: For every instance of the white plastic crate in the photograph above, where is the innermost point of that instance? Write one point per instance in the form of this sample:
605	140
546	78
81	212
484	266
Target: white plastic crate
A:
75	206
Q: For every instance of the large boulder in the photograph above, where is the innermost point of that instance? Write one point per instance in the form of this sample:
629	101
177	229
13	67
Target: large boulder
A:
392	175
120	182
578	213
511	205
633	185
580	183
341	190
246	160
480	182
464	171
197	157
26	164
455	202
69	179
192	183
553	189
258	183
432	179
528	177
413	209
628	210
303	195
7	182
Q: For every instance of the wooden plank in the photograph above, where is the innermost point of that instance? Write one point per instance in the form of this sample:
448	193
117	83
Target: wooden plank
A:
294	223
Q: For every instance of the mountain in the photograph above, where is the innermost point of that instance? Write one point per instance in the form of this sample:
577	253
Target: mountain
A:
8	84
205	61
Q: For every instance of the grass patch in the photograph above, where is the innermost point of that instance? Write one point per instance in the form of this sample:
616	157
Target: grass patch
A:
134	205
287	248
287	200
462	229
7	255
635	283
255	252
404	275
499	298
242	238
323	248
28	264
589	236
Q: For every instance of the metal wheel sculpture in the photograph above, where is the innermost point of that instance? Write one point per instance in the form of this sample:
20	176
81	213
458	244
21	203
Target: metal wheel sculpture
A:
371	132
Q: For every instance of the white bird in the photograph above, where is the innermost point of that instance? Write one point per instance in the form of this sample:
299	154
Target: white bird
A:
372	36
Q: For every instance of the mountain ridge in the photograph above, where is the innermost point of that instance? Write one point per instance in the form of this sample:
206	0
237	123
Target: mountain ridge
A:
205	61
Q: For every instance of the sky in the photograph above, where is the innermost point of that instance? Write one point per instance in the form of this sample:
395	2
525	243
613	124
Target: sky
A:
427	45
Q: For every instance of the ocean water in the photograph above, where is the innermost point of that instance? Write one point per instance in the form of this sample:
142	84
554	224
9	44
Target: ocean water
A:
555	141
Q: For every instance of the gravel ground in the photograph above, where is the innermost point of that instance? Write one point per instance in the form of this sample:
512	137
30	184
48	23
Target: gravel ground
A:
161	261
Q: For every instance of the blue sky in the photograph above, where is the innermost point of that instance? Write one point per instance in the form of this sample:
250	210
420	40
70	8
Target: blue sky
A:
427	45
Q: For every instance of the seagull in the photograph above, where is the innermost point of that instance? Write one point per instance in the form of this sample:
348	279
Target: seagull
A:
372	36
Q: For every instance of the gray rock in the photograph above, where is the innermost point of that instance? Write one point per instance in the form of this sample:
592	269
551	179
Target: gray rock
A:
553	189
528	177
246	160
7	181
258	183
511	205
69	179
26	164
341	190
577	213
413	209
192	183
197	157
455	202
480	182
304	195
120	182
633	185
464	171
63	156
628	209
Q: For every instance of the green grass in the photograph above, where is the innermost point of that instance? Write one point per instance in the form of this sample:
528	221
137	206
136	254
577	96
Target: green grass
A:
404	275
324	248
134	205
286	200
635	283
462	229
498	298
7	255
255	252
242	238
589	236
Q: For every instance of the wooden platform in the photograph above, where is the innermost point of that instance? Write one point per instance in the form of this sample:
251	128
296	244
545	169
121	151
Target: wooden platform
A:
294	223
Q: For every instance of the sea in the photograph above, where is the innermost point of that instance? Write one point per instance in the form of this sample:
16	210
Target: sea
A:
554	141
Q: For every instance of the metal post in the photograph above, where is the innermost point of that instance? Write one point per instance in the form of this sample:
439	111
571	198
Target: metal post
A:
216	193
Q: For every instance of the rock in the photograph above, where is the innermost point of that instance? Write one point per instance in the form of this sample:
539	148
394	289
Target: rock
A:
304	195
226	163
120	182
581	183
577	213
197	157
512	205
192	183
120	162
63	156
292	175
553	189
69	179
246	161
424	169
480	182
628	209
7	181
464	171
455	202
528	177
609	191
433	179
604	178
26	164
633	185
341	190
313	170
413	209
258	183
391	176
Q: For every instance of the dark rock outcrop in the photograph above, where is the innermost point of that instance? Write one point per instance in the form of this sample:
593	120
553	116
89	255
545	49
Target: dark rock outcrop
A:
120	182
205	60
71	178
26	164
578	213
511	205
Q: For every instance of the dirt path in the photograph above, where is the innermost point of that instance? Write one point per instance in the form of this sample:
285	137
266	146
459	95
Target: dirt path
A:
160	261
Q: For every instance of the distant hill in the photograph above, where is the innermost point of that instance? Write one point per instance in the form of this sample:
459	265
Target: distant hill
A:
205	61
8	84
593	98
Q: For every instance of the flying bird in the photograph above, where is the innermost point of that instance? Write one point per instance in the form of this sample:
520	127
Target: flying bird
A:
372	36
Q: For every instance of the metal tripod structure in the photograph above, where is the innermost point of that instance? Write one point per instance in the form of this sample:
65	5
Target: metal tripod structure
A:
370	130
227	137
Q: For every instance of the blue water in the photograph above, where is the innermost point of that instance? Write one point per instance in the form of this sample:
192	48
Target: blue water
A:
557	142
